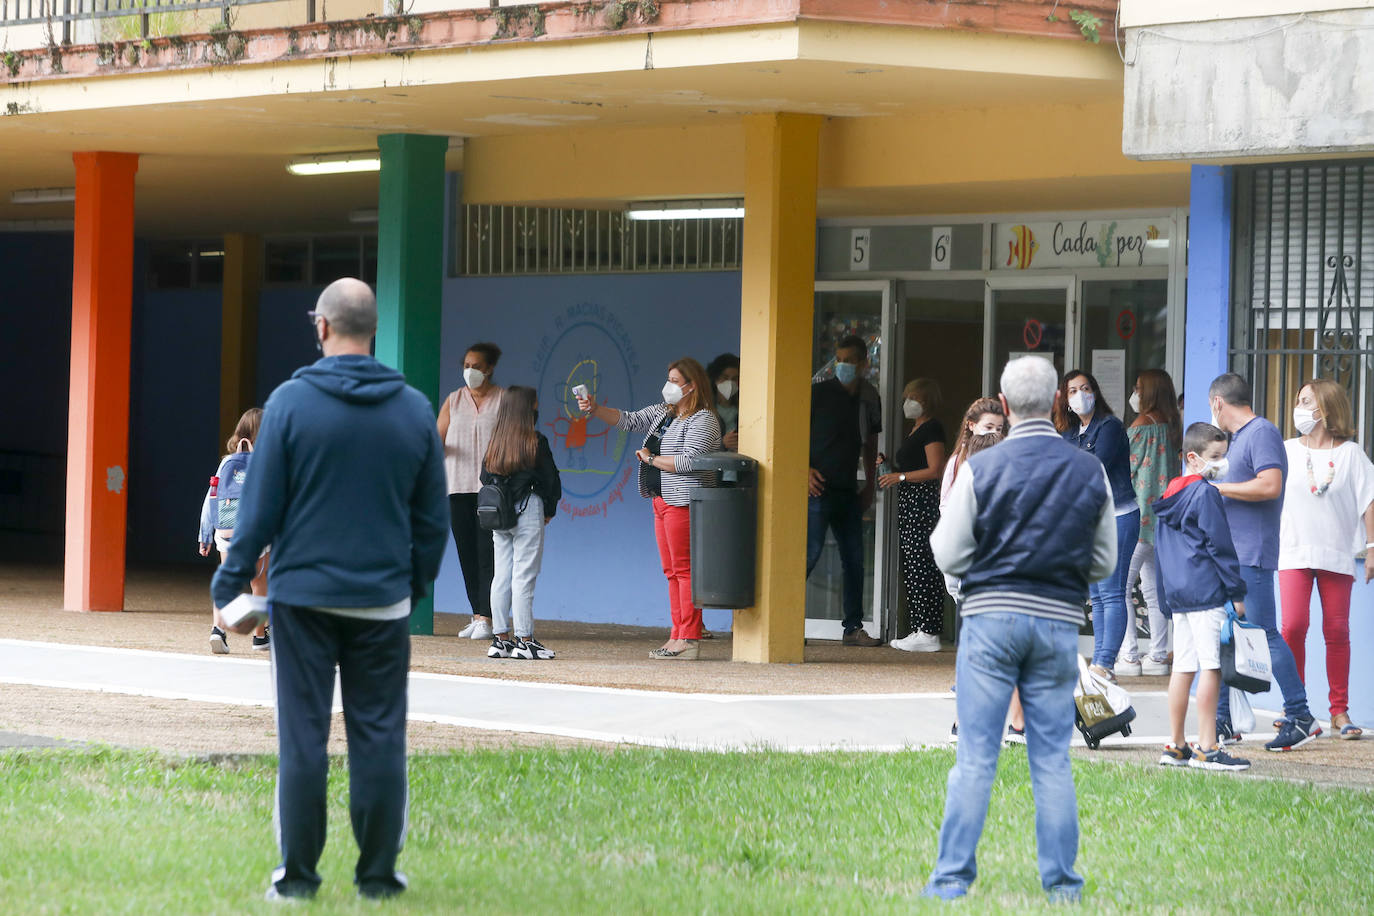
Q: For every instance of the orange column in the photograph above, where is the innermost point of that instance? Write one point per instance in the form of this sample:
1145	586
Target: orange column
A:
98	423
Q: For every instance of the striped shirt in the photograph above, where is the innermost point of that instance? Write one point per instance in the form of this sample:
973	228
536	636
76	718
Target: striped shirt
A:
685	440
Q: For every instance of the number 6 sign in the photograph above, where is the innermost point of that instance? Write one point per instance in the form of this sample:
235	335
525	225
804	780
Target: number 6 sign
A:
940	237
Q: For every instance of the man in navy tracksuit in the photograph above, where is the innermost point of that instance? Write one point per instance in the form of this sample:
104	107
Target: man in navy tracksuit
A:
348	487
1028	525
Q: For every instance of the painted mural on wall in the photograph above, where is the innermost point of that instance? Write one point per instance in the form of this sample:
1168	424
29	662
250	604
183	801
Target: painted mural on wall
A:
587	344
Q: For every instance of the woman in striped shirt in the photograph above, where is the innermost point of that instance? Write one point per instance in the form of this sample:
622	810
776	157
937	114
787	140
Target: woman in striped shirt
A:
678	431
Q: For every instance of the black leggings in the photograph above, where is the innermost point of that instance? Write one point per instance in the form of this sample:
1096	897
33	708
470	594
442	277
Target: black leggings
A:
474	551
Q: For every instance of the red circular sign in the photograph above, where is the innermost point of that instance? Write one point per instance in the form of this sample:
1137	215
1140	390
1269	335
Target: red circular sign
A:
1032	334
1125	324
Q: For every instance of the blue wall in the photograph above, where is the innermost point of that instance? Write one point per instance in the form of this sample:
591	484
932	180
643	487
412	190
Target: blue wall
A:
1208	316
617	333
286	340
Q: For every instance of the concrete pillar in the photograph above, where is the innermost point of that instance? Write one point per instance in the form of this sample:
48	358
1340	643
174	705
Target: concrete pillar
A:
1208	319
238	349
410	273
777	305
98	413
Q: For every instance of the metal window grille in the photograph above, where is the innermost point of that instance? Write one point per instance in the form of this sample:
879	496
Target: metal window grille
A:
499	241
1304	304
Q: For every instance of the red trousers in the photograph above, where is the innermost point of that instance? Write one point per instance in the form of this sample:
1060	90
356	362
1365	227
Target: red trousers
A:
1295	592
674	532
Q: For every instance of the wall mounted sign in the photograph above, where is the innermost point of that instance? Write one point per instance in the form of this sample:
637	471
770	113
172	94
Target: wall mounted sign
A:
1125	324
859	240
1080	243
941	239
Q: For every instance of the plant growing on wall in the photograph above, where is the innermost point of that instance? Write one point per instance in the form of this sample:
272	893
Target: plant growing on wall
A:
1087	23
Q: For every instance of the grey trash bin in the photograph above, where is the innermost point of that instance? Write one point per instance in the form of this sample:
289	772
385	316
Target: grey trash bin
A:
724	526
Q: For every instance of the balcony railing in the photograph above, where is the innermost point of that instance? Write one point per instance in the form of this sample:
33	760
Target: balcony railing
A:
63	15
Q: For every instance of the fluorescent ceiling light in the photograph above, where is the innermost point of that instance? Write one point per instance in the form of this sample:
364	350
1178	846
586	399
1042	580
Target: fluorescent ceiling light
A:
687	209
363	216
37	225
335	164
43	196
212	254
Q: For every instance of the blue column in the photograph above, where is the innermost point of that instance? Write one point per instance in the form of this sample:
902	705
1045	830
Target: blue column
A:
1208	321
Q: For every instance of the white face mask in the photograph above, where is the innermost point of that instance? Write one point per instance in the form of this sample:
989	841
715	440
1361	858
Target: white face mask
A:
1216	421
672	393
1082	402
1305	420
912	410
727	389
475	378
1135	401
1211	470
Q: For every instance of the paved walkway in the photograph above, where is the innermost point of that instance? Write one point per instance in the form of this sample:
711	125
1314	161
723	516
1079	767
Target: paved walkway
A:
880	722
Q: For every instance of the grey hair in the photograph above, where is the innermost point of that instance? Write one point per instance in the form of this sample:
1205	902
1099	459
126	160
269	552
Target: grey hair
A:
1231	388
350	308
1029	384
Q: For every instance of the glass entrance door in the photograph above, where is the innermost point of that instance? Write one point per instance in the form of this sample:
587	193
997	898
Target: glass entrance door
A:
1026	316
842	308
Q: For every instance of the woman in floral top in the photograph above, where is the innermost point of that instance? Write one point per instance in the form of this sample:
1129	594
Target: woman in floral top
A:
1155	437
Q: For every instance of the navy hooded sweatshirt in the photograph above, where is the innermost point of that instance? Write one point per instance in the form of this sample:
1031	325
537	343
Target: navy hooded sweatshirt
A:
348	488
1194	554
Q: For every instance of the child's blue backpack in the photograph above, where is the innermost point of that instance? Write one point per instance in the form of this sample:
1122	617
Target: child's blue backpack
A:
224	505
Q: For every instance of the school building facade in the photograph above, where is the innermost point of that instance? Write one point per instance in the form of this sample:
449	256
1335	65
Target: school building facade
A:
947	180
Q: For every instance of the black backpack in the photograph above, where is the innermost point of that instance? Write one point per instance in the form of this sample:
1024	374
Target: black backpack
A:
495	509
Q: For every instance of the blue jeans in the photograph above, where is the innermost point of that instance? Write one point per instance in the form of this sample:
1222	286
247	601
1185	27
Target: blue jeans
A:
1111	612
999	651
1260	609
839	511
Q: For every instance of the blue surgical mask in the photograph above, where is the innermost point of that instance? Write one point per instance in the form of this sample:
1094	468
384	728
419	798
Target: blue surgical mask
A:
845	373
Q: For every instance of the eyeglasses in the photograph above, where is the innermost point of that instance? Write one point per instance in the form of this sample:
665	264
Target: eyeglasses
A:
317	316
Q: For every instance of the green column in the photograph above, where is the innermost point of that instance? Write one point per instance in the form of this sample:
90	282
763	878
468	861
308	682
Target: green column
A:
410	273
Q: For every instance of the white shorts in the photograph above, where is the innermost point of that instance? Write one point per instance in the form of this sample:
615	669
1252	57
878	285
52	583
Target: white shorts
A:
1197	640
222	544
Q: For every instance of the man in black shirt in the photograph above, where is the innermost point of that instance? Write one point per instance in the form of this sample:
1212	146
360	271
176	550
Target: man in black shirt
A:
846	417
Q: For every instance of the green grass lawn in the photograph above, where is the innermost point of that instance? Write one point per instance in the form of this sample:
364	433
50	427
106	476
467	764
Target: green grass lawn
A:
648	831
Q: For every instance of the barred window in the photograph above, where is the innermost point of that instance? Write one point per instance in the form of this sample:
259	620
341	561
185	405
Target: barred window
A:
510	241
1304	291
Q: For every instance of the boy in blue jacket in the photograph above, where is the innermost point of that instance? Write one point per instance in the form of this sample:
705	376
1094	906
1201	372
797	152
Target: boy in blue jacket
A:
1198	573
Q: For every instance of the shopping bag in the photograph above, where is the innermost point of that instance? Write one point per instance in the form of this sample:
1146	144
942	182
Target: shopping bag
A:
1242	716
1245	659
1101	708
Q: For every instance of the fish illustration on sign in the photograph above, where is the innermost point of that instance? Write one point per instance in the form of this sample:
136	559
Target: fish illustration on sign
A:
1021	249
1151	232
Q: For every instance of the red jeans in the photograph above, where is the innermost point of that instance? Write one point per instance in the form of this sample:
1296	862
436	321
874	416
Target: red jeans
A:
1295	591
674	532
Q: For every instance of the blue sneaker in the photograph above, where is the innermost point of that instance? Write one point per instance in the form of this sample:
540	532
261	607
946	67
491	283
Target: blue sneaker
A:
945	890
1065	896
1226	735
1294	734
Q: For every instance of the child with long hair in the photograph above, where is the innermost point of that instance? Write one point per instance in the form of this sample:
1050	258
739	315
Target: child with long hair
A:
229	478
519	458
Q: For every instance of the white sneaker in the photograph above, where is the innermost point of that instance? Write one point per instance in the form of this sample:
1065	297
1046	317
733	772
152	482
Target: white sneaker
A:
1153	667
477	629
917	642
1127	667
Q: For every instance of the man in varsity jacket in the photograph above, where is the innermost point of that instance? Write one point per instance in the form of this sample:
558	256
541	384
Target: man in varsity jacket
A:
1028	525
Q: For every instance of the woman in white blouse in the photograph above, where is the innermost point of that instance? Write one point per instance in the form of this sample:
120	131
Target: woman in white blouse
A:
678	431
1328	517
466	421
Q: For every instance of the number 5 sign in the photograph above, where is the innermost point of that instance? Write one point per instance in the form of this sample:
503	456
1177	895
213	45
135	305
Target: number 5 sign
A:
858	248
940	237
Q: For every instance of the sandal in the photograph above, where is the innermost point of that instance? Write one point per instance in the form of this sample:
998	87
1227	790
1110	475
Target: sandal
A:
1346	729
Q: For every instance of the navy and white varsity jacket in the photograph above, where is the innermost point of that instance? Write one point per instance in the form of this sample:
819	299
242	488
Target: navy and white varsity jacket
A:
1028	525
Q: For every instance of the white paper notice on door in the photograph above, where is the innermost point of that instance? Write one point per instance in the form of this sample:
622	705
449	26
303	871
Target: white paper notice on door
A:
1109	368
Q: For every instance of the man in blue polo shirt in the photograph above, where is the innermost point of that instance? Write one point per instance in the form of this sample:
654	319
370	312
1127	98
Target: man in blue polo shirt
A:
1252	492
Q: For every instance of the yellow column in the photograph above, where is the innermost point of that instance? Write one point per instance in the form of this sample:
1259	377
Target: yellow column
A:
238	349
777	303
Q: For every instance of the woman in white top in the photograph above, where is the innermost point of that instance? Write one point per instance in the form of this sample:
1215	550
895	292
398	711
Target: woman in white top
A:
1328	517
466	421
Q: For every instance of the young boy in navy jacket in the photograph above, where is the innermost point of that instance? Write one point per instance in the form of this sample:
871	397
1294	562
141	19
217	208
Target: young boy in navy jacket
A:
1198	573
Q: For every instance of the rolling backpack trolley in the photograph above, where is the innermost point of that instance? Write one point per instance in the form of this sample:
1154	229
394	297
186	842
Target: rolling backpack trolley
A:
1100	708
